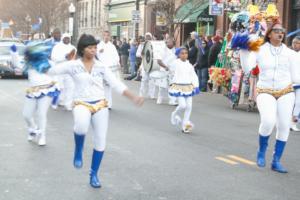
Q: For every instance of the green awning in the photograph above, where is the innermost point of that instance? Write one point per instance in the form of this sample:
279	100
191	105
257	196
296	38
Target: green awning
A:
190	11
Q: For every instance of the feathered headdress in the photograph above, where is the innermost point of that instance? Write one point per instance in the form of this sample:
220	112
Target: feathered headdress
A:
37	55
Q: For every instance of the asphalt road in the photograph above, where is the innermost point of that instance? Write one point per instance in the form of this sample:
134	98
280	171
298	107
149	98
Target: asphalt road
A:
146	158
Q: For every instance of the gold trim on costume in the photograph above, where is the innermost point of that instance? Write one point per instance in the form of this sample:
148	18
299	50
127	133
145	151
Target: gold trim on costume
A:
40	87
182	88
93	108
276	93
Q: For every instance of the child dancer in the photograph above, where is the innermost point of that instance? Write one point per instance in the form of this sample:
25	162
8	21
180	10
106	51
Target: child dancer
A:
42	91
90	105
185	86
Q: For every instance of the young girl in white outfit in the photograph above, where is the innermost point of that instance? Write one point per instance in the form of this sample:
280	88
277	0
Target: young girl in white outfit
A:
41	93
185	86
90	105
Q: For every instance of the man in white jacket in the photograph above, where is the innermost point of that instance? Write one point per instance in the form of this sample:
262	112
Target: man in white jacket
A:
59	54
108	55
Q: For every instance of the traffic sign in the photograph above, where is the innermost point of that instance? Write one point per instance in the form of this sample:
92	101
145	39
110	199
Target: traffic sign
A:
136	16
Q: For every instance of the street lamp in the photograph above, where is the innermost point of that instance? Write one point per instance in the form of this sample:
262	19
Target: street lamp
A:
28	20
72	11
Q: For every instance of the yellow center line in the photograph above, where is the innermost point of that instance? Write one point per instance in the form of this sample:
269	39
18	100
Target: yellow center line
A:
242	160
231	162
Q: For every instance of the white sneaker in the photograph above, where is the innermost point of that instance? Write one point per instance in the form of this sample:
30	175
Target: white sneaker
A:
30	137
42	140
188	128
294	127
159	101
54	107
172	103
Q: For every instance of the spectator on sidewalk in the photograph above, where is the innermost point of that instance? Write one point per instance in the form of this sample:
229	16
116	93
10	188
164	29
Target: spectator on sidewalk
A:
124	51
201	66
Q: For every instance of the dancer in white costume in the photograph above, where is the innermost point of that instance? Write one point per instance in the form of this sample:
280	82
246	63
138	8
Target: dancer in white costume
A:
185	85
279	70
146	82
41	92
108	55
59	55
90	105
166	61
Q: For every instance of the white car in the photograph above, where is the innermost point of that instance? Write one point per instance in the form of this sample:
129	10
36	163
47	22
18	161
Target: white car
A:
7	69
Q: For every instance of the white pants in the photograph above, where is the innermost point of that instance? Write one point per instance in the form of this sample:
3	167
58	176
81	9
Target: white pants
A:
184	104
99	120
297	104
275	112
40	108
146	82
108	95
164	93
108	89
67	88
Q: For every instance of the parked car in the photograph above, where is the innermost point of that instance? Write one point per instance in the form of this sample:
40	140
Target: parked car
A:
7	69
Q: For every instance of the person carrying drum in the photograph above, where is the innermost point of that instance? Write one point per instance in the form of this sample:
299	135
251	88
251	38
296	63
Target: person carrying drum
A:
166	62
185	85
109	56
146	81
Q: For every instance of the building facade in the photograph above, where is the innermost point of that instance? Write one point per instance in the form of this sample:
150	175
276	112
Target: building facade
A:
91	17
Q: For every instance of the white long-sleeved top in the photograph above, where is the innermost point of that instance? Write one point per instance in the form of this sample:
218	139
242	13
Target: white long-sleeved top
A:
277	71
37	79
185	73
168	57
88	86
109	57
60	51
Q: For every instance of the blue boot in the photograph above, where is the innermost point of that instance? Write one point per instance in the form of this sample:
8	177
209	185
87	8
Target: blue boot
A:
96	161
279	148
79	141
261	154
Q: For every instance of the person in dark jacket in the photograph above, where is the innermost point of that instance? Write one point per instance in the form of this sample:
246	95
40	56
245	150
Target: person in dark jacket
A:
124	51
201	66
214	51
192	52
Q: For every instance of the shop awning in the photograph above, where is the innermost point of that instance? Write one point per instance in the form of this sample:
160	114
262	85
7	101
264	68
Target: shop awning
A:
190	11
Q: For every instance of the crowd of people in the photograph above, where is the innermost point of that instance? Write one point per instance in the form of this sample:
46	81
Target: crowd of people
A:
81	79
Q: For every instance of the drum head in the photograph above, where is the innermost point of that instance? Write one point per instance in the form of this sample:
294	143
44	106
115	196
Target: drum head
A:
152	51
148	57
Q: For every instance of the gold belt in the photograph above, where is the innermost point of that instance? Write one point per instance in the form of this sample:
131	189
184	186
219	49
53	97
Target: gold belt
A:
93	108
182	87
276	93
40	87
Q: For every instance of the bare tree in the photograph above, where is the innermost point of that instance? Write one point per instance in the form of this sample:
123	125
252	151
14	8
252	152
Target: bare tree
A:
169	9
52	12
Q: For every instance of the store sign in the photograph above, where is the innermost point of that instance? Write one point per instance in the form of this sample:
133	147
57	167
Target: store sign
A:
136	16
161	19
216	7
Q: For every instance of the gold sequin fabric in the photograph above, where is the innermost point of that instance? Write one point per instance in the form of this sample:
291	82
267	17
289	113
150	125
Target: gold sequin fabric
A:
92	107
182	88
39	88
275	93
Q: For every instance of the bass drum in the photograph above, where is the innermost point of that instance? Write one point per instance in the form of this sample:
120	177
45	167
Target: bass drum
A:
151	53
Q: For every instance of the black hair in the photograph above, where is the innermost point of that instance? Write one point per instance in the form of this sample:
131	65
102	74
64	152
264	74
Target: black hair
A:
84	41
267	38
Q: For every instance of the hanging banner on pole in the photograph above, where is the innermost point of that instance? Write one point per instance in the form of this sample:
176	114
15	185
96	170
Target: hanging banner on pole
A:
216	7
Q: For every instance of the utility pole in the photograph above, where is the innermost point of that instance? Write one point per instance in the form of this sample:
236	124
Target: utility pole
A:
137	8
